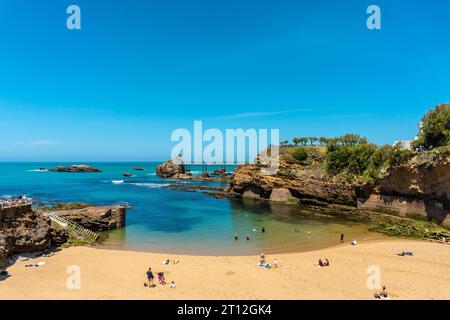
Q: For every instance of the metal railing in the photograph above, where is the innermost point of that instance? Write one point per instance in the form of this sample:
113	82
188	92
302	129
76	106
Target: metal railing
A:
66	223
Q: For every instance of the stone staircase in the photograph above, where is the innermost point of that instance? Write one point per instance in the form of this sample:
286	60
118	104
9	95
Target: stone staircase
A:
68	224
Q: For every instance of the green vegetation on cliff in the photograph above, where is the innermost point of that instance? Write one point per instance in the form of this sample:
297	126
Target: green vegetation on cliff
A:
353	158
435	128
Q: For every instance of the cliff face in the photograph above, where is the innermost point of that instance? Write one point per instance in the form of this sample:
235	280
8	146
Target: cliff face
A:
420	189
308	186
23	230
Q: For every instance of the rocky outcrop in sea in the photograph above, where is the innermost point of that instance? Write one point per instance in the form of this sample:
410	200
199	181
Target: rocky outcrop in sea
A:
80	168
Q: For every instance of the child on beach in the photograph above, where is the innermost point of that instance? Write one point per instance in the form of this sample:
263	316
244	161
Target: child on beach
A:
161	278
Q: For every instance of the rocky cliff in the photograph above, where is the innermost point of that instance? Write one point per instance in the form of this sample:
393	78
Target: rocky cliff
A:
24	230
292	182
419	189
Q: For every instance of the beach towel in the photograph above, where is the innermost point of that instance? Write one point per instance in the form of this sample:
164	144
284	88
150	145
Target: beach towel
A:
35	265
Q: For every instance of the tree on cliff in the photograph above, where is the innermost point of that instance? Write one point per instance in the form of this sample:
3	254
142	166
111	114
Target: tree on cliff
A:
435	128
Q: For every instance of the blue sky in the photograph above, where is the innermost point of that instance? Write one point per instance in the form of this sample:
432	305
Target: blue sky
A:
137	70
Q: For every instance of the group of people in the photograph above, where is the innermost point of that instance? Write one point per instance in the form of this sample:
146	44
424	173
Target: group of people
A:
247	237
263	262
324	263
161	279
14	201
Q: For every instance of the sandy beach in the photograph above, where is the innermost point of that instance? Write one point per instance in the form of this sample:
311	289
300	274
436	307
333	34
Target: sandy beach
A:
108	274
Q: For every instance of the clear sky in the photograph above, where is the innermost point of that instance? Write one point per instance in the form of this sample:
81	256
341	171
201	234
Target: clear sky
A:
137	70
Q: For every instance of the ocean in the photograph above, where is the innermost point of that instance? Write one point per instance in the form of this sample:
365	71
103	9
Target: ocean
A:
176	221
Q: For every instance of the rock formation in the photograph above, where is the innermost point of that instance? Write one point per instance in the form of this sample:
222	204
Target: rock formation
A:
173	169
75	168
24	230
419	189
307	186
96	218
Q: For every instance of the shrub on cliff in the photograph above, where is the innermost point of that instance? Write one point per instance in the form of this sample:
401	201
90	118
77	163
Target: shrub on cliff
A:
435	128
300	154
351	159
366	161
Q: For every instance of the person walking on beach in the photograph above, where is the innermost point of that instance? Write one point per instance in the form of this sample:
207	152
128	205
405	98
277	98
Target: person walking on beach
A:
342	237
150	278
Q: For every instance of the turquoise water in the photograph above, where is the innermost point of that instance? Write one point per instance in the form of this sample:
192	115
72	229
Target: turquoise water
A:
164	220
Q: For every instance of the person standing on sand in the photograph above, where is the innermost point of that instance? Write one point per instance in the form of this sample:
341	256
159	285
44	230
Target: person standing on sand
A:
150	278
342	237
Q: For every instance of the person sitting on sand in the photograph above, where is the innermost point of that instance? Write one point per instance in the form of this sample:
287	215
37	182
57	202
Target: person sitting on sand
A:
161	279
325	263
166	262
262	260
172	284
384	293
275	263
150	278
